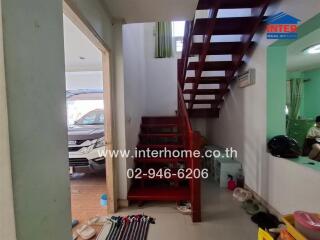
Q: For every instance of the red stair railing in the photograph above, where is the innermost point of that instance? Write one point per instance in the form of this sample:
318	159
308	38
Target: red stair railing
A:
187	42
191	139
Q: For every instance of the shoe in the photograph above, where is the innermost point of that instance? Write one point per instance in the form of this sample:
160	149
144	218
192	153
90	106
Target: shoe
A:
241	194
252	207
185	209
86	232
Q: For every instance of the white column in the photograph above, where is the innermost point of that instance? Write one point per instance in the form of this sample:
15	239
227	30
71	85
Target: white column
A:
7	222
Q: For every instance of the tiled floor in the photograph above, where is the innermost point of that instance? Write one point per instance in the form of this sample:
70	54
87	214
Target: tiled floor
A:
223	219
85	196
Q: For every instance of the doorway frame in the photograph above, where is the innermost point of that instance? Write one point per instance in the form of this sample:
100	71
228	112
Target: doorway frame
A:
85	27
276	78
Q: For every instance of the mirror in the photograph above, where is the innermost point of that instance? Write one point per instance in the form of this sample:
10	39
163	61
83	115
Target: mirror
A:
303	92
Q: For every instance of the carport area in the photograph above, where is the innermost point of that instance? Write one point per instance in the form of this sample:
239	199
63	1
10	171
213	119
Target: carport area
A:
85	119
87	186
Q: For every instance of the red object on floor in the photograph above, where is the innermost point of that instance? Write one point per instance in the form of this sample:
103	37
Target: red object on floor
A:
231	184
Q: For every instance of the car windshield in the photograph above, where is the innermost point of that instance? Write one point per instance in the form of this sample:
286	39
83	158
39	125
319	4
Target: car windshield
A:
92	118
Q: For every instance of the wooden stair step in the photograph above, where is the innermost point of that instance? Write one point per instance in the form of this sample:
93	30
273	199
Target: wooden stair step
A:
160	120
160	146
205	101
207	80
225	26
155	193
230	4
160	125
159	160
219	48
213	66
206	91
160	135
204	112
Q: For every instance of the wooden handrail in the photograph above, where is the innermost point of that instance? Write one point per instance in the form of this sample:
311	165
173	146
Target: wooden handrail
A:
191	139
182	108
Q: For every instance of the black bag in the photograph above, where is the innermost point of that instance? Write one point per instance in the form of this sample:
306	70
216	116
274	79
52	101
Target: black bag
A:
265	220
284	146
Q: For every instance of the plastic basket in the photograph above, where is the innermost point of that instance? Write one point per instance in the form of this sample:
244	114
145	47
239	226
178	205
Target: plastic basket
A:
289	221
264	235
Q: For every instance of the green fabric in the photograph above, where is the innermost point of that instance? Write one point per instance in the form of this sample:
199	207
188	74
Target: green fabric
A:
295	97
296	87
163	40
299	129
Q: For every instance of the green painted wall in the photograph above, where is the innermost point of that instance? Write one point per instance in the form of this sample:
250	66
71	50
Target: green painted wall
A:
34	65
311	106
276	90
276	79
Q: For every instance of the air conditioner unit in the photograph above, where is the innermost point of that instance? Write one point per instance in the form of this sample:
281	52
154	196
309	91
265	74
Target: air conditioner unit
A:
247	78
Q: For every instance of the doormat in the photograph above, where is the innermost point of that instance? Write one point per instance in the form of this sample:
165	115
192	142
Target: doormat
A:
133	227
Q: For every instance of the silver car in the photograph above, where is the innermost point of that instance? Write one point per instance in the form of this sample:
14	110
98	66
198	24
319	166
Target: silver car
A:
86	141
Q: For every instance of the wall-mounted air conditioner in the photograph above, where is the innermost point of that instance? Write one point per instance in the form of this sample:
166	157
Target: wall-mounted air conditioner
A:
247	78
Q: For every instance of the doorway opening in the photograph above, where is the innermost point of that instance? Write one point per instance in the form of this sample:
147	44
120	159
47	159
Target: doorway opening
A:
88	94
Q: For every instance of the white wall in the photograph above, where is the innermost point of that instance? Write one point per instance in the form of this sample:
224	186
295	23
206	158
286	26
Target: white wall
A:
135	82
242	125
291	186
7	222
84	80
161	75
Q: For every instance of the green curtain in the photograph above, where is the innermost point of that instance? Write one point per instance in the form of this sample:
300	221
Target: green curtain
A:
296	87
163	40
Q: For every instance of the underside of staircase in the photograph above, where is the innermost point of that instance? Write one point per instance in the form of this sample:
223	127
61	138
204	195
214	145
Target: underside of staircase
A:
211	58
214	49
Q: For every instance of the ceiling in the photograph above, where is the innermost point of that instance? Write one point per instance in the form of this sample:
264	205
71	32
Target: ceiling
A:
297	59
80	53
134	11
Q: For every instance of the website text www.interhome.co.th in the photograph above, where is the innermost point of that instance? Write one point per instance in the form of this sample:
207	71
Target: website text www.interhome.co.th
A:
168	153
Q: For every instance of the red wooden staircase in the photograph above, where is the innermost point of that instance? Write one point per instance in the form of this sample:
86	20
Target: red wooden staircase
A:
203	87
151	182
175	133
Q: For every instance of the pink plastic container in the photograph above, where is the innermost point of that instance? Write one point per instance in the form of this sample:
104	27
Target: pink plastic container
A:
308	224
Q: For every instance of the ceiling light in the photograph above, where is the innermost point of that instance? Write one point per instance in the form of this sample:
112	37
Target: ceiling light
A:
314	49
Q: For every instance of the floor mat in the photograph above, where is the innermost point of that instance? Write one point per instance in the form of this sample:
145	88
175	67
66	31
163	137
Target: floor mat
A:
134	227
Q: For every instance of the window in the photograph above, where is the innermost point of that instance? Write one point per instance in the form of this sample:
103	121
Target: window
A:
78	108
95	117
178	28
177	35
88	119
